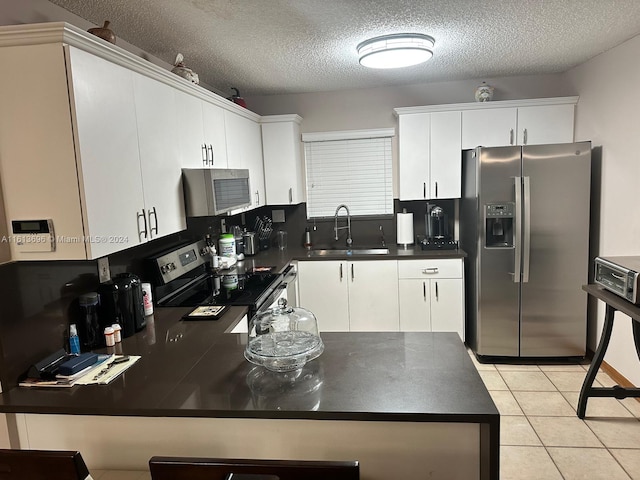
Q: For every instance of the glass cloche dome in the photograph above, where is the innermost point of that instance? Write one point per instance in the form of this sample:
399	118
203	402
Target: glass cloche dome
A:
283	338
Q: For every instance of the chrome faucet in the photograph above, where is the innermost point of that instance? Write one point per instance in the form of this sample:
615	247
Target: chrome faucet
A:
348	226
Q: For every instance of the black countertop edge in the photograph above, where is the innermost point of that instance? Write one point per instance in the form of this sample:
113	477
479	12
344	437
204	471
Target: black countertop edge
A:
413	417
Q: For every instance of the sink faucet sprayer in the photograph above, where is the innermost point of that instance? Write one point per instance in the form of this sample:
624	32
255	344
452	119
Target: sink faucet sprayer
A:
348	226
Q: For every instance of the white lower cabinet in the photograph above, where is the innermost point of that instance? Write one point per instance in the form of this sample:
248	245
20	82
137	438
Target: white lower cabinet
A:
425	295
323	289
373	296
350	295
431	295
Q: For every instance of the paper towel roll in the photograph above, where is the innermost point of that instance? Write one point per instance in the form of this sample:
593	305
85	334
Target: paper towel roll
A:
404	229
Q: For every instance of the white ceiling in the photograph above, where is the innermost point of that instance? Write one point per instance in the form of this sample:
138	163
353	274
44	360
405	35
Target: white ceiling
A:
296	46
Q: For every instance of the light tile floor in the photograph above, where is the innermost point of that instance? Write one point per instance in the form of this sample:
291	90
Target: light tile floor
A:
541	437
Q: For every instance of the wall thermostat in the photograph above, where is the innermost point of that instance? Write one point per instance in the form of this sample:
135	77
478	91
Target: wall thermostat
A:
33	235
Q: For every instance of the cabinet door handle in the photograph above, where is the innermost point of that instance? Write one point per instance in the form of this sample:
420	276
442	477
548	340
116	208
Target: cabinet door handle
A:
424	290
142	233
257	197
352	275
155	217
210	148
524	136
290	195
205	155
436	190
511	137
430	270
424	189
341	272
436	290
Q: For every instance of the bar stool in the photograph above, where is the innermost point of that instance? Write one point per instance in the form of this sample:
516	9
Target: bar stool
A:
42	465
186	468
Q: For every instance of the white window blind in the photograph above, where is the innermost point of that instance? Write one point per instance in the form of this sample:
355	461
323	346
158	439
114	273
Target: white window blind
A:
356	172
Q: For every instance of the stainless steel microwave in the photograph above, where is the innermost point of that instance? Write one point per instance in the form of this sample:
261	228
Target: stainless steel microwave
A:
214	191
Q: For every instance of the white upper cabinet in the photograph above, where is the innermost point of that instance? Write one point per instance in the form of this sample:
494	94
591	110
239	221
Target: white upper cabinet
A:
188	134
159	157
103	109
489	127
526	122
214	135
430	155
413	147
446	155
281	148
200	132
545	124
244	150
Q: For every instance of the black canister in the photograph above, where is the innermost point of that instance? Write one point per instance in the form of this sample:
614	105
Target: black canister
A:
121	302
88	324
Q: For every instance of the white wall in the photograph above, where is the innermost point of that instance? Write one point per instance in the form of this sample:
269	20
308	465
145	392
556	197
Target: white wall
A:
608	114
373	107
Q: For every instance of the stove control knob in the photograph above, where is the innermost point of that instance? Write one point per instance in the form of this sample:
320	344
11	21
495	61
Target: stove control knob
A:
171	266
164	269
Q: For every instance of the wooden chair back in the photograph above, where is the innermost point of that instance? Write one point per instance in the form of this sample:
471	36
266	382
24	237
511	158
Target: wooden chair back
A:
185	468
42	465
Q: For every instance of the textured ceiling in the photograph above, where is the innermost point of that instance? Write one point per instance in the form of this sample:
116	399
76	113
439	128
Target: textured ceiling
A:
296	46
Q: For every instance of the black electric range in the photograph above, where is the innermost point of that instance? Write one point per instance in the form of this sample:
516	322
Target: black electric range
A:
186	279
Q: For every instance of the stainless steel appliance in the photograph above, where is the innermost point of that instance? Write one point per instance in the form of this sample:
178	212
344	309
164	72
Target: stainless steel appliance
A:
619	275
184	278
213	191
437	230
524	222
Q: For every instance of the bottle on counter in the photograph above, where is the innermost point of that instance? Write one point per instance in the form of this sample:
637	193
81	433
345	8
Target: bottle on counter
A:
307	239
147	299
117	335
74	340
109	336
88	327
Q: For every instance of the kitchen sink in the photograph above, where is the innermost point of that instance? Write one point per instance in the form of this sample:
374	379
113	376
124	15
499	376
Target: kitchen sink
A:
349	252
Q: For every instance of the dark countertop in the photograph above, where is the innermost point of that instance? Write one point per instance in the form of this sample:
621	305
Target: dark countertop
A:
281	258
194	369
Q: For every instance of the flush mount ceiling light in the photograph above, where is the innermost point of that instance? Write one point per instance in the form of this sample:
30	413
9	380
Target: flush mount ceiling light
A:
396	50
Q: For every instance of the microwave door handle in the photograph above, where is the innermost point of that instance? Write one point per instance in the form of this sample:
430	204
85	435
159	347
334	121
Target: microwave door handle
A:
526	241
517	183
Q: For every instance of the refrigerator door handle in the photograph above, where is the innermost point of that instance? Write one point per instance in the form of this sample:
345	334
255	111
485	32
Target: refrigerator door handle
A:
517	256
526	244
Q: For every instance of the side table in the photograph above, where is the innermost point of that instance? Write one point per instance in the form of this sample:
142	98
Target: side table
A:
613	303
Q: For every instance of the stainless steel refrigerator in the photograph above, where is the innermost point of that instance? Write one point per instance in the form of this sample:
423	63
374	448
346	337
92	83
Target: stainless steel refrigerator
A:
524	222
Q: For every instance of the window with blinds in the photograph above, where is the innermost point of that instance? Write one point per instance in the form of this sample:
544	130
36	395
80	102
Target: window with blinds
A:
356	172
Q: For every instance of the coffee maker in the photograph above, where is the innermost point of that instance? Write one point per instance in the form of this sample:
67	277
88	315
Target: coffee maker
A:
437	230
121	302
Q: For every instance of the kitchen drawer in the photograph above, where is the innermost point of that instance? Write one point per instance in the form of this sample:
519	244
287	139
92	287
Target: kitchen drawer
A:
432	268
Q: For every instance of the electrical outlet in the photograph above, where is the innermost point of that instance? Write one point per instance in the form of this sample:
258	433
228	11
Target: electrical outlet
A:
103	269
277	216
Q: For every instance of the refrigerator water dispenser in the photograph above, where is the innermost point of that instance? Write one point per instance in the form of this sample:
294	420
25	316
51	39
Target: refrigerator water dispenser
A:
499	232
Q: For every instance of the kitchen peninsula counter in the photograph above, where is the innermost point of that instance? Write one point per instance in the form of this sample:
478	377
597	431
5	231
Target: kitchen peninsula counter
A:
405	389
